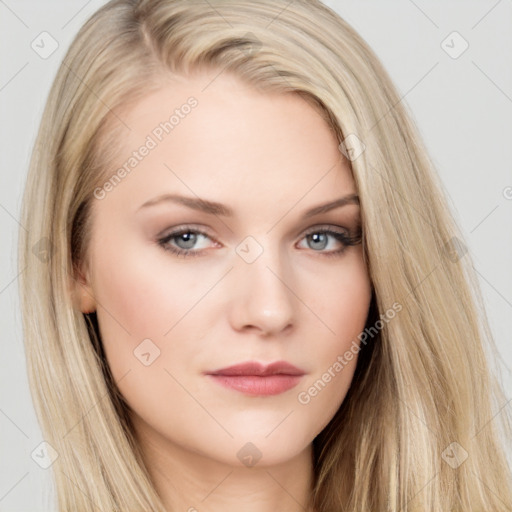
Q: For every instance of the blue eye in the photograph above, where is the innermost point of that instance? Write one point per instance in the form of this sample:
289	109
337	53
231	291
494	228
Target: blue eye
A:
192	242
183	241
188	238
320	239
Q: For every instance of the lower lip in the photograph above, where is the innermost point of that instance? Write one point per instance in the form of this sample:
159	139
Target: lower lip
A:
258	386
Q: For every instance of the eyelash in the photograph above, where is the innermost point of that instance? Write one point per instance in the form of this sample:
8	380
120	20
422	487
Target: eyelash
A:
346	241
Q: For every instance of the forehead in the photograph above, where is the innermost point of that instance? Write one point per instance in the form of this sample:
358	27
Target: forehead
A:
217	135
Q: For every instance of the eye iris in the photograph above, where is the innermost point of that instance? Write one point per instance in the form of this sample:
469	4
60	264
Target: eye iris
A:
320	239
188	239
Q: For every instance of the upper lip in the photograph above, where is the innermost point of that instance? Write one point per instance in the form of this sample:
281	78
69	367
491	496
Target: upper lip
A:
259	369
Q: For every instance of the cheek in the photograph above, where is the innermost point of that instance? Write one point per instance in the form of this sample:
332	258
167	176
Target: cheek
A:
152	317
136	306
343	306
138	303
342	299
140	295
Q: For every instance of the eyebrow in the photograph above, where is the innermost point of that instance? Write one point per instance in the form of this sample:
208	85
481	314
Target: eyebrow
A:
214	208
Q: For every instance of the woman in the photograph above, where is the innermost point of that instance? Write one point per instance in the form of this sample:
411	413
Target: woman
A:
255	295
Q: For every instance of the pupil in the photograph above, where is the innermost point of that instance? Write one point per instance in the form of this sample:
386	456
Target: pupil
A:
320	239
188	240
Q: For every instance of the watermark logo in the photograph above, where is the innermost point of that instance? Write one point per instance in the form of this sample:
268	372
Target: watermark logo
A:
454	249
352	146
44	45
44	455
249	249
42	249
252	46
454	45
454	455
147	352
305	396
249	455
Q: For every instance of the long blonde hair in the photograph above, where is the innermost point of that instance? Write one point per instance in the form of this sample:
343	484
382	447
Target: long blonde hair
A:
423	394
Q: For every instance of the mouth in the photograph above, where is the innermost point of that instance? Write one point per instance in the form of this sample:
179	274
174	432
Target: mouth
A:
256	379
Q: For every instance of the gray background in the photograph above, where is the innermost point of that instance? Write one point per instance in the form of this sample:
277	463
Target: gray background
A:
463	107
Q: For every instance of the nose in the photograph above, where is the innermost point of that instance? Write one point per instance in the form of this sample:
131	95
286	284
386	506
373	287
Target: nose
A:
263	299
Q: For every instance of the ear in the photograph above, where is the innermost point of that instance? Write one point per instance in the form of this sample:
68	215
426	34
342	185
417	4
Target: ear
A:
82	292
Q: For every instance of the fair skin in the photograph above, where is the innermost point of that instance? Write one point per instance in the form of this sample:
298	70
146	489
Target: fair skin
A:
269	157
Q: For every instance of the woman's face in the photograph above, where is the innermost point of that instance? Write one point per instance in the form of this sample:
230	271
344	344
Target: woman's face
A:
226	240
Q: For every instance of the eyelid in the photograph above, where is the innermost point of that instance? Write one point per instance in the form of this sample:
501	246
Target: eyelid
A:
185	227
325	227
353	232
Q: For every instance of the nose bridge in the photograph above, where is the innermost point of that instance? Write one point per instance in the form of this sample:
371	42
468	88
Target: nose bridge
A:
264	297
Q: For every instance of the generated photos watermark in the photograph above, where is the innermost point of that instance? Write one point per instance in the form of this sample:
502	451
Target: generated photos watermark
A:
305	396
152	140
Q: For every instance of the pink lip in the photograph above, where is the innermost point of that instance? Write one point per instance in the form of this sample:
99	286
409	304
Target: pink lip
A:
253	378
